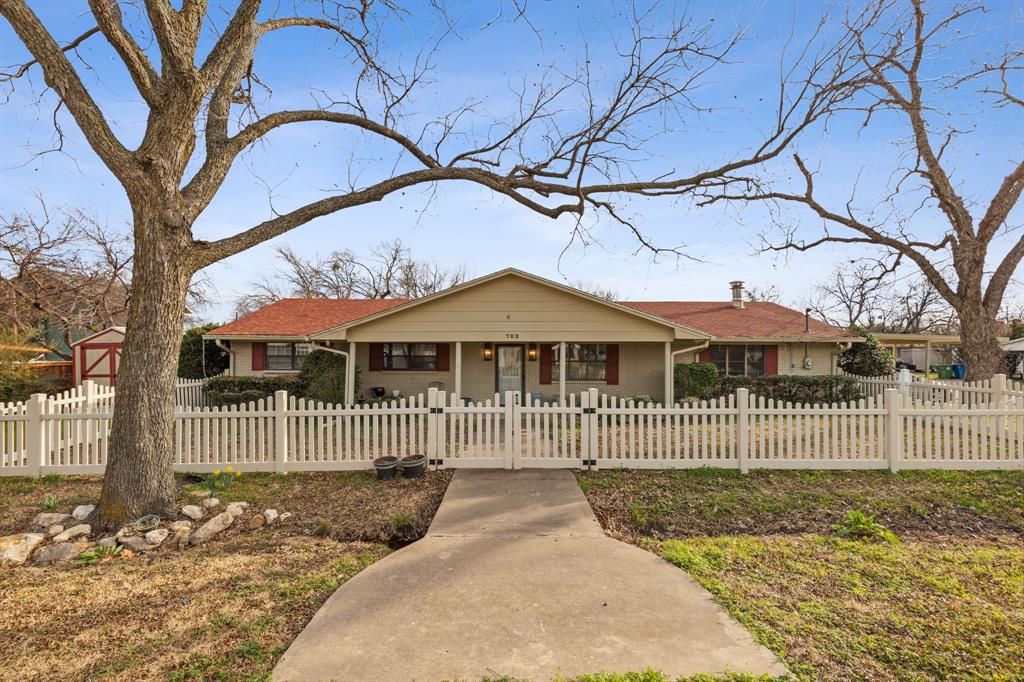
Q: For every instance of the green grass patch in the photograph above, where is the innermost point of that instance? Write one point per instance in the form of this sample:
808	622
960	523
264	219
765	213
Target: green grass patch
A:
840	610
808	562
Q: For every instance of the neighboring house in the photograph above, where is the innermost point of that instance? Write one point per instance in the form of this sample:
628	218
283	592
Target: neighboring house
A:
513	331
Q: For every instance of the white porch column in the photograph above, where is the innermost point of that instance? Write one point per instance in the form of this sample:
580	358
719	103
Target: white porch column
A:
669	375
561	372
350	375
458	369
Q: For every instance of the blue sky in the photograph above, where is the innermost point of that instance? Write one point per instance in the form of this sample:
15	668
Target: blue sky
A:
463	224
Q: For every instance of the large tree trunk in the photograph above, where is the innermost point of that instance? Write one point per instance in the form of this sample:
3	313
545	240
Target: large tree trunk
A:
139	476
982	354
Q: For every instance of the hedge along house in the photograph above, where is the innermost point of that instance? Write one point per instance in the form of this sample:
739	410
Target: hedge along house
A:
513	331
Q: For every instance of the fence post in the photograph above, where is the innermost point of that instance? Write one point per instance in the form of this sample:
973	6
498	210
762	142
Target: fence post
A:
592	449
998	397
280	430
743	428
904	380
998	388
89	394
512	444
432	428
35	439
893	428
586	457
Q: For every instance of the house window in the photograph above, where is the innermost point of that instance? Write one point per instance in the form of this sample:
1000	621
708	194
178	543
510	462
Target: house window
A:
410	356
738	360
286	356
583	362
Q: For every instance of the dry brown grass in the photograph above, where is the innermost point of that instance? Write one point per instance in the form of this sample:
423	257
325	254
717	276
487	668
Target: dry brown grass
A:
223	611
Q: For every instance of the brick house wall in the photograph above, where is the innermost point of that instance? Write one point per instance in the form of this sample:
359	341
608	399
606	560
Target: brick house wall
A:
641	370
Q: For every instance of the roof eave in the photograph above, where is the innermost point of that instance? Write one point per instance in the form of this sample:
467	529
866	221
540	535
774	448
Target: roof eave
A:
256	337
787	339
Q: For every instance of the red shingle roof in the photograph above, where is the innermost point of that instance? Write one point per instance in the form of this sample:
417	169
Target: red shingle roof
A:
303	316
299	317
754	320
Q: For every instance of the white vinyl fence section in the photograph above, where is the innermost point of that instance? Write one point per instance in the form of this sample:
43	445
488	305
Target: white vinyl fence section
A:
69	433
191	392
968	393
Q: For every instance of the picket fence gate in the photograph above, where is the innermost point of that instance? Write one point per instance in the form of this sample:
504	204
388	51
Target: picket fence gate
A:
69	434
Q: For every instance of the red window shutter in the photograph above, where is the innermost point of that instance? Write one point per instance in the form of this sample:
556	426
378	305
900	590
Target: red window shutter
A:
705	355
545	363
611	372
443	357
376	357
771	360
259	357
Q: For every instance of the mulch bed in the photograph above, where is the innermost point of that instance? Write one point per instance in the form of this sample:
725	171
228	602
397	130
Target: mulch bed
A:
346	506
707	502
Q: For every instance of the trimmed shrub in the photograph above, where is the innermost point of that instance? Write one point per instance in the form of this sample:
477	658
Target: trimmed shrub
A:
792	389
190	356
236	390
695	379
21	385
322	377
867	359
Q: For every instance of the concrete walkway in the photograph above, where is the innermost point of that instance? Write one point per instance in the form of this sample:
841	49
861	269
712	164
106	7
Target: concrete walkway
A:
515	577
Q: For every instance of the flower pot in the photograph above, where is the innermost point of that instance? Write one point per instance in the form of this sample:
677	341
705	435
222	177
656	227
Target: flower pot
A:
413	466
385	467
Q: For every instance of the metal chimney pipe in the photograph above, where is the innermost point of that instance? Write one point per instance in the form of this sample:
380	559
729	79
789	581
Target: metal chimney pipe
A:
737	294
807	320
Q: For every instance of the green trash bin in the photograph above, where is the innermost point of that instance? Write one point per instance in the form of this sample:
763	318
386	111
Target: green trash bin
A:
944	371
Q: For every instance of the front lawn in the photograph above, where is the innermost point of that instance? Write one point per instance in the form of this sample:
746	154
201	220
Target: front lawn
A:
225	610
946	602
701	502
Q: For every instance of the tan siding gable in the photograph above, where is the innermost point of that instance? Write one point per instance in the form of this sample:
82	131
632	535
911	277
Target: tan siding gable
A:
510	305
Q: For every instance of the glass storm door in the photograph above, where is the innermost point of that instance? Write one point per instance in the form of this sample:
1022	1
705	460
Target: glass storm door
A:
509	369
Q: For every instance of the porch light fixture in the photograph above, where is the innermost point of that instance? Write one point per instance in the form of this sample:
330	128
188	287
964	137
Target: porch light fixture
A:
488	352
531	352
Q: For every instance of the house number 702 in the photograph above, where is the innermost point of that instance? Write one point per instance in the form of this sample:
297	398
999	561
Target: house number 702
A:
511	336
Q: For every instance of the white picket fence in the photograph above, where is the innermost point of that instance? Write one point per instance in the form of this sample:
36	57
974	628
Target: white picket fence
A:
191	392
282	433
69	430
969	393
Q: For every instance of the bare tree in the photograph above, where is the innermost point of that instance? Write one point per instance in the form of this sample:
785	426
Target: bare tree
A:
899	48
389	271
570	147
598	290
65	272
763	294
867	293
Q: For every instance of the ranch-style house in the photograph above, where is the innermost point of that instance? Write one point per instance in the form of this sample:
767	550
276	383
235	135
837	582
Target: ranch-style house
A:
513	331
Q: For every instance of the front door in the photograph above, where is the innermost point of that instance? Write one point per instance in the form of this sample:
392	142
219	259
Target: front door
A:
509	369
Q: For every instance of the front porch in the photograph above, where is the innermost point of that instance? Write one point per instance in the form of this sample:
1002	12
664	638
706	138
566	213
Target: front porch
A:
478	370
